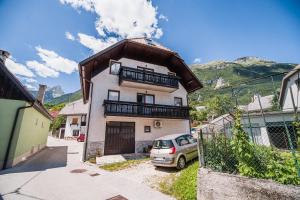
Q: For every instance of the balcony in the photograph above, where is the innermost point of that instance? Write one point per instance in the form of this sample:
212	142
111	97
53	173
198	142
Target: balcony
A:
133	109
137	78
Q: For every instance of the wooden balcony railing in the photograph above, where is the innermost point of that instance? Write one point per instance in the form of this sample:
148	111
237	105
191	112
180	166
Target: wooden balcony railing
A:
142	76
133	109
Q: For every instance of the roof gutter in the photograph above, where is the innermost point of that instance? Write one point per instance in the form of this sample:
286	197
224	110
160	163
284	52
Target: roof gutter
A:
12	134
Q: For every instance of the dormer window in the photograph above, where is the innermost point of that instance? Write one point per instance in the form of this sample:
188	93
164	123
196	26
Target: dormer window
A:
114	67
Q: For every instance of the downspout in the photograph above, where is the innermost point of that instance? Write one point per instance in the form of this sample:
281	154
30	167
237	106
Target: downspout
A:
12	133
88	125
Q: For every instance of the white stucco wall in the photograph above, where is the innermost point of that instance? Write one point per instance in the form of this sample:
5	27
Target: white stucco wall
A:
287	101
257	123
69	128
105	81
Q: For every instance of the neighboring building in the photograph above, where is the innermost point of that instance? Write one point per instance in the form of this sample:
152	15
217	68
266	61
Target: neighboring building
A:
260	102
137	91
76	117
267	129
24	121
290	91
272	131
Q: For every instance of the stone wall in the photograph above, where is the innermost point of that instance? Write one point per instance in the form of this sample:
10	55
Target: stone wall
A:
218	186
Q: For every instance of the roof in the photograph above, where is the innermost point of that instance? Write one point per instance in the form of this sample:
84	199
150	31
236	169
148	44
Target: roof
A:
266	103
54	113
285	81
75	108
148	51
19	92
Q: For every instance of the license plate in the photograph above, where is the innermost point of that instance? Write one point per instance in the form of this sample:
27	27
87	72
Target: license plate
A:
159	159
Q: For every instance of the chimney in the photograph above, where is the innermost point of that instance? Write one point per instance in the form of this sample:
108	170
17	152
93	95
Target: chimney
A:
3	55
41	93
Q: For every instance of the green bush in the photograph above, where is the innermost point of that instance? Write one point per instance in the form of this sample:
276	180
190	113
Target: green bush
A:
219	155
242	156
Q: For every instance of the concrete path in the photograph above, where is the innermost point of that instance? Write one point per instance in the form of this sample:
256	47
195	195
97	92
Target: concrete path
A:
57	173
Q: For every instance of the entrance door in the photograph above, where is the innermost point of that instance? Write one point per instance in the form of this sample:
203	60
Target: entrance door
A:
119	138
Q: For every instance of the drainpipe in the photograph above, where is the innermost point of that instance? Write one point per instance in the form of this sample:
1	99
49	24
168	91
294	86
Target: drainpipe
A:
12	133
88	125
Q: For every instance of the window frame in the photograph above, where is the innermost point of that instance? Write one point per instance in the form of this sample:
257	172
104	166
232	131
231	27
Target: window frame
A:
147	130
111	62
145	98
179	143
180	99
118	91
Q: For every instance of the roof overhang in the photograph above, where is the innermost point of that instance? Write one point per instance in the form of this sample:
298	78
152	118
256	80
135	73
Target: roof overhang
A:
137	51
285	81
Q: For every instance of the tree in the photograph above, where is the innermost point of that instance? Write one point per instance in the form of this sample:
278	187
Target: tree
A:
218	105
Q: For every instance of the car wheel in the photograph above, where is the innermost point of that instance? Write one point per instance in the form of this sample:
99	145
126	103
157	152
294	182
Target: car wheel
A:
181	163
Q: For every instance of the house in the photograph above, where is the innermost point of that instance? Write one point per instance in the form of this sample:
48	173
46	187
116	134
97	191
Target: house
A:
137	91
259	102
289	98
24	121
76	116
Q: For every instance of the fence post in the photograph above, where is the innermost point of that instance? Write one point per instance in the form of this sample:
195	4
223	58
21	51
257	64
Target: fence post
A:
200	148
291	147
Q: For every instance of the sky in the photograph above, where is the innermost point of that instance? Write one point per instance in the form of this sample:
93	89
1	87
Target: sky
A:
47	39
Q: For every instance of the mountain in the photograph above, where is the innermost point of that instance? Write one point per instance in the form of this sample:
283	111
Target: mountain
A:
51	93
66	98
232	73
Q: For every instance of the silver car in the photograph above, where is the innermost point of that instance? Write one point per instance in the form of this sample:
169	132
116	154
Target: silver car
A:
174	150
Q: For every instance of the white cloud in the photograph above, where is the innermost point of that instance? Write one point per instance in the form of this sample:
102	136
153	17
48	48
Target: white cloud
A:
29	80
69	36
18	69
30	86
197	60
52	64
95	44
41	69
86	4
118	19
163	17
55	61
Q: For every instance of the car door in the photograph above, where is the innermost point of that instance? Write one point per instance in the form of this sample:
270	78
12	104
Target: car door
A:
193	149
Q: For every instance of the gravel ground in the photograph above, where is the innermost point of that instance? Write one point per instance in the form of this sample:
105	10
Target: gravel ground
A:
146	173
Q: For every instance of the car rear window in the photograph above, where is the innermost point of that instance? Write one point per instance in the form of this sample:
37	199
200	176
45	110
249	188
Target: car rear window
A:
162	144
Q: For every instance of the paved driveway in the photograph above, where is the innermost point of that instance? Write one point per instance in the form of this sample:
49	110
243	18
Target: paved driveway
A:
57	173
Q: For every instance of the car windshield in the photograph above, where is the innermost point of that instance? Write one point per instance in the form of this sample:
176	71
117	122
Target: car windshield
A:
162	144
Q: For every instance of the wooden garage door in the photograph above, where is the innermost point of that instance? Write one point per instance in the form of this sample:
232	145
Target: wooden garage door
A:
119	138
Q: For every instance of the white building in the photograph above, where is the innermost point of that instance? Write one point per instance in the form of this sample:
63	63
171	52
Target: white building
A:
137	91
76	117
290	91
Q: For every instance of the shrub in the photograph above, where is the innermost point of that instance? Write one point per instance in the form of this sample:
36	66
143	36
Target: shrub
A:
219	155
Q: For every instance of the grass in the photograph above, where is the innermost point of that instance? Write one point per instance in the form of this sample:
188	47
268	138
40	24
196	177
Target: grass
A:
183	186
122	165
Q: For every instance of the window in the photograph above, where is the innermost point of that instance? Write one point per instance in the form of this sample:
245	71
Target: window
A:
74	121
36	121
83	120
191	139
115	67
163	144
182	140
177	101
42	125
113	95
147	129
145	98
75	133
